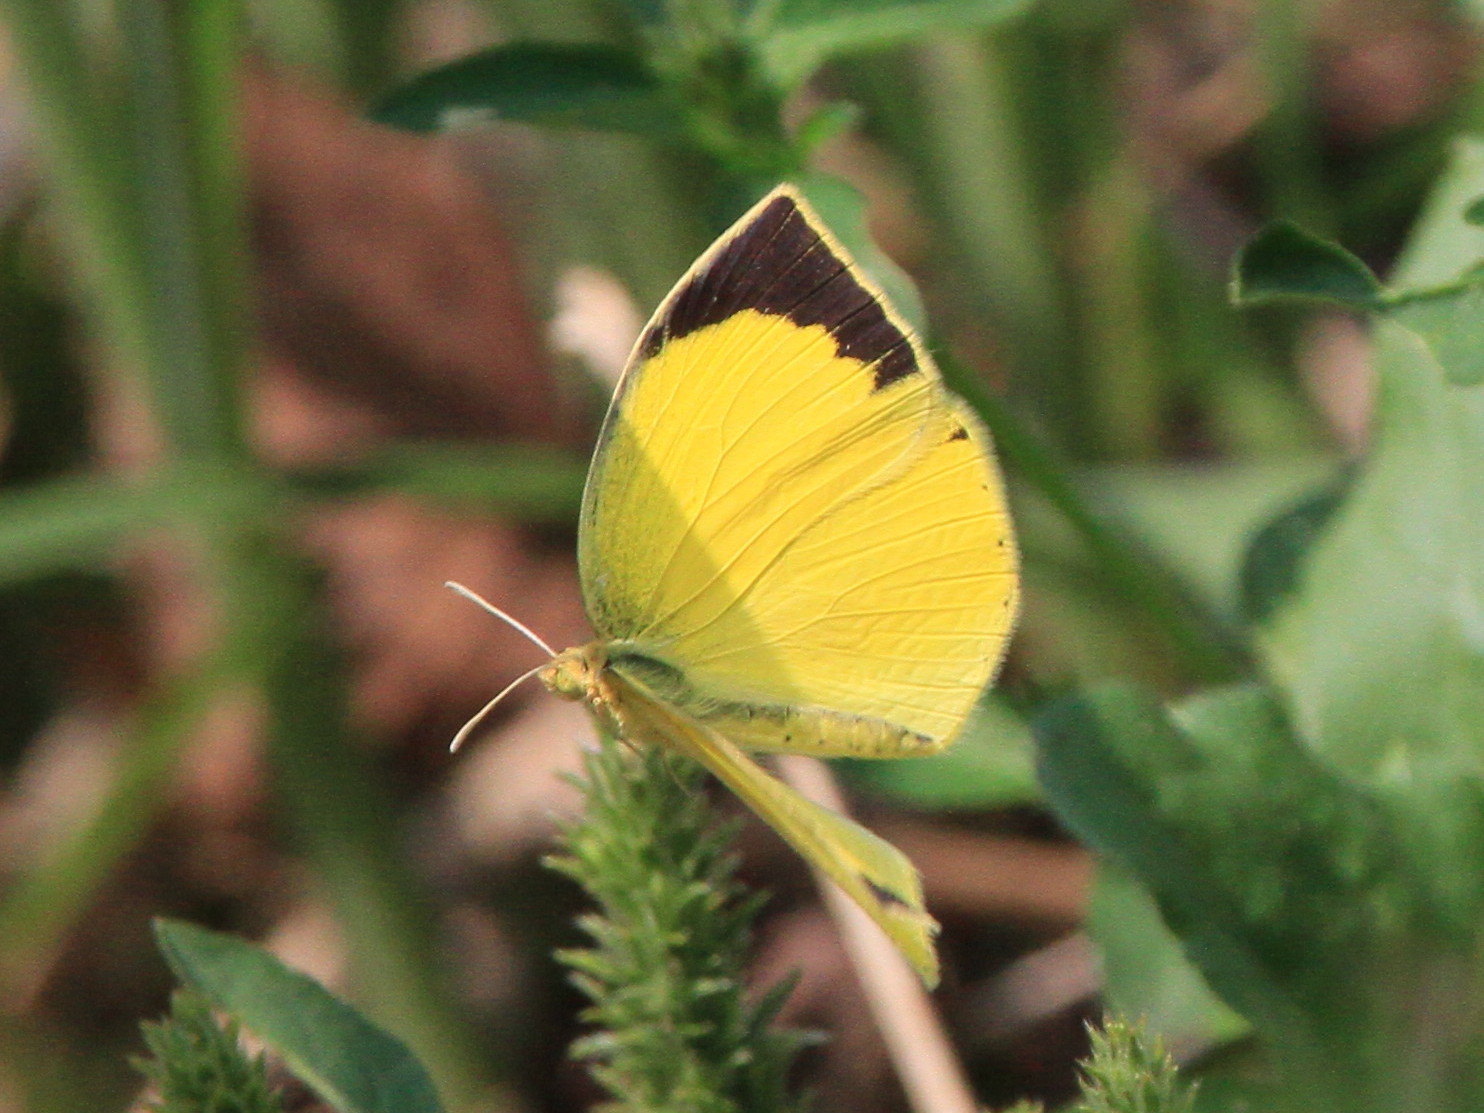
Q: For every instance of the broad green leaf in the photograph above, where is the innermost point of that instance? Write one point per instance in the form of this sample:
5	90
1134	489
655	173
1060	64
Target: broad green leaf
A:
1291	891
1451	324
348	1061
1201	517
1273	564
1381	652
1437	293
800	34
990	765
1285	263
1444	245
553	84
1146	974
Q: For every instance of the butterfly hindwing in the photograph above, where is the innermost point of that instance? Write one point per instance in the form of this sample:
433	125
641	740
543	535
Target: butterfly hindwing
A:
875	874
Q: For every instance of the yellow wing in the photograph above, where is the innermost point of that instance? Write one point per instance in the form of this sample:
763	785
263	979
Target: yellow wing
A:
790	514
875	874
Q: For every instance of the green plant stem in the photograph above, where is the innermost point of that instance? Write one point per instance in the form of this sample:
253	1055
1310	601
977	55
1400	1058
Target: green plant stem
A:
985	194
182	84
1210	652
1288	143
79	129
336	805
1123	378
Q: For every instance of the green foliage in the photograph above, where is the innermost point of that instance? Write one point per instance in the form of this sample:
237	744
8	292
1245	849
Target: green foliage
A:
798	35
1145	969
711	78
1311	832
348	1061
197	1065
1315	839
675	1031
1284	263
555	85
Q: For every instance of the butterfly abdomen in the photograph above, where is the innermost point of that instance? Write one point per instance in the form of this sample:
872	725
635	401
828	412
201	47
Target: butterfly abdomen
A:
769	726
817	730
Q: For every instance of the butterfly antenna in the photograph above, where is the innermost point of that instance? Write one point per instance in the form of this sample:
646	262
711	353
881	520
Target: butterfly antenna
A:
479	601
480	715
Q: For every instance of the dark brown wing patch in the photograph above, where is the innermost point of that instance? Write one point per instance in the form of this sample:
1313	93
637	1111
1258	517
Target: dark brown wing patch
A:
883	894
780	264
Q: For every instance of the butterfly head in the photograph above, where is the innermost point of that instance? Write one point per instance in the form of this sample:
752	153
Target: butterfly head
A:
573	673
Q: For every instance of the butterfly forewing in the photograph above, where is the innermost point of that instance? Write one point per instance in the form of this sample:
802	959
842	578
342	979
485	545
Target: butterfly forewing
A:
787	507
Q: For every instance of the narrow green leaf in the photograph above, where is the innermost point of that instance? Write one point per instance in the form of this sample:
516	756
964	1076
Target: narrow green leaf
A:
348	1061
532	484
1285	263
70	523
553	84
795	36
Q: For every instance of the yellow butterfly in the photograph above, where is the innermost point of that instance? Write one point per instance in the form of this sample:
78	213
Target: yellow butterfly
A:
793	538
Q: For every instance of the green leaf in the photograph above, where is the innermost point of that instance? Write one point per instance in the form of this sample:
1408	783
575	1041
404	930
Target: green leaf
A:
552	84
530	483
800	34
1443	244
1145	971
1291	891
1381	653
990	765
1201	518
1273	565
1439	291
69	523
1285	263
349	1062
1451	324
